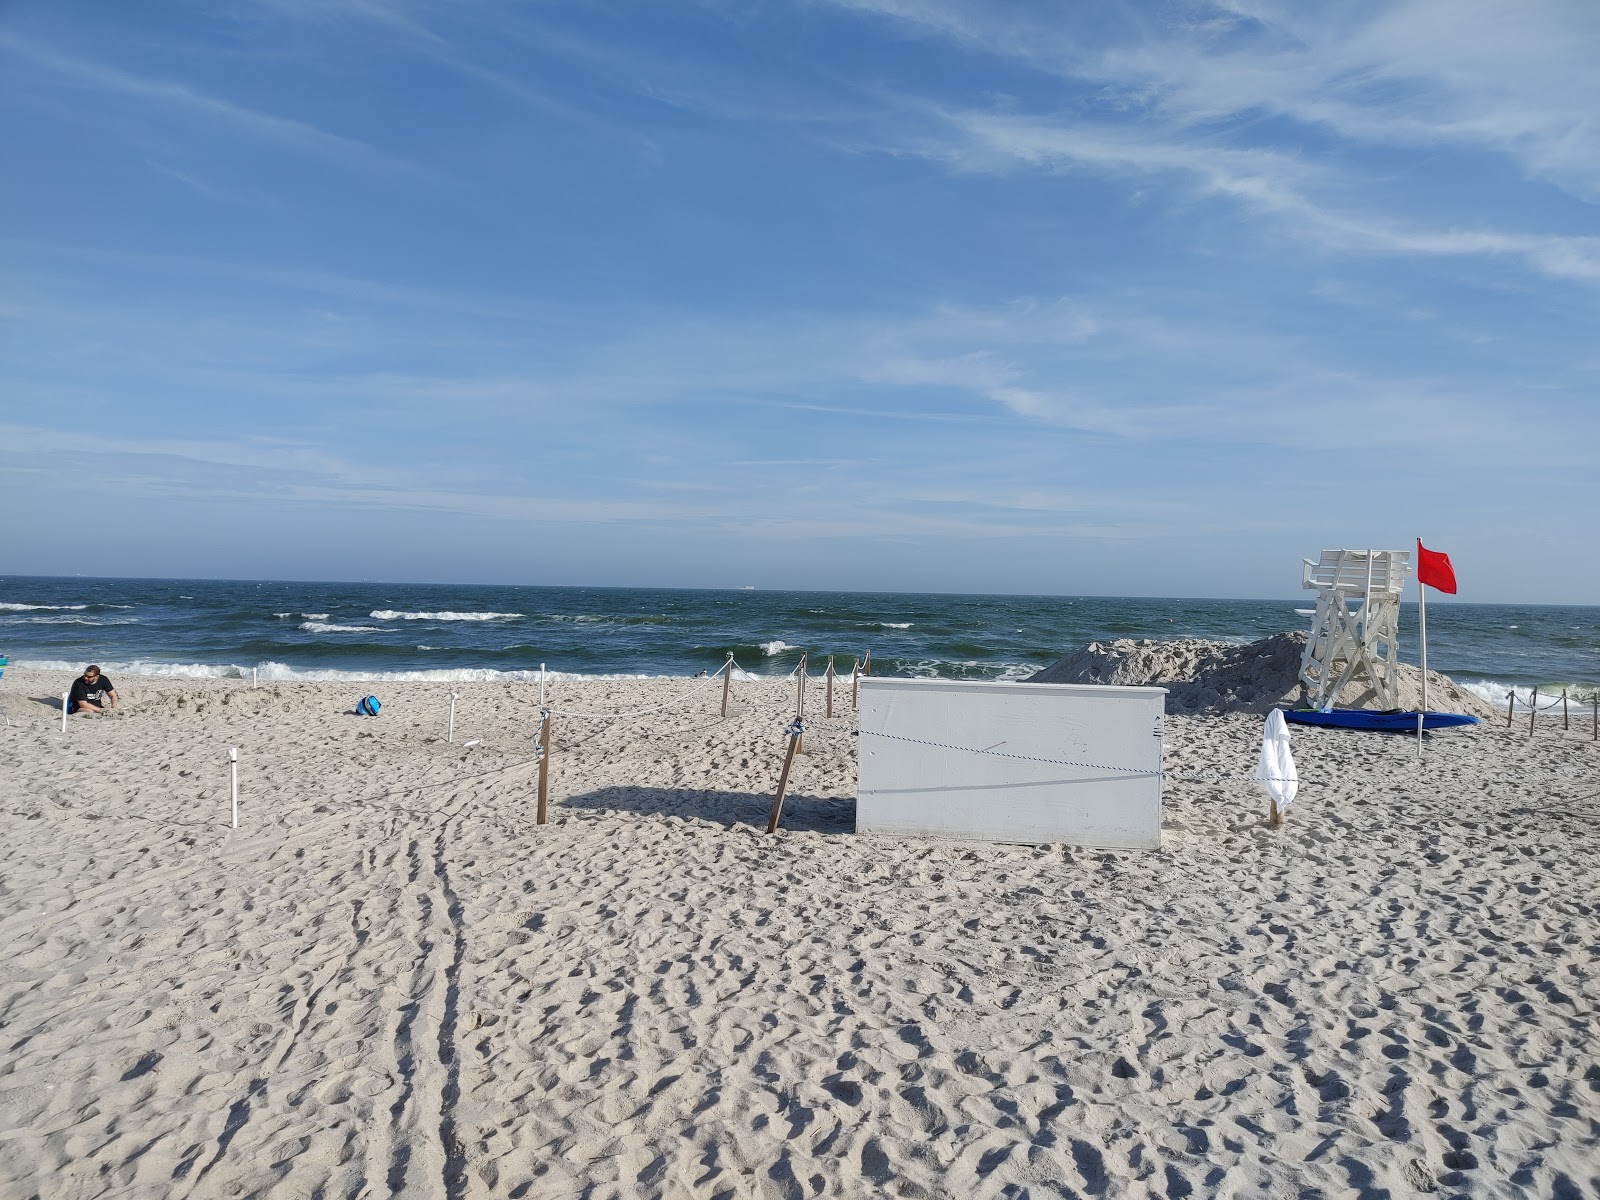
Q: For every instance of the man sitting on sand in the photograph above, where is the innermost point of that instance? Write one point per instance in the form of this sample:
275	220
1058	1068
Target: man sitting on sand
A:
91	693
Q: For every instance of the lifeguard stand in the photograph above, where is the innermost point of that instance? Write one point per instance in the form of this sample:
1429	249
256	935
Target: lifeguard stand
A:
1355	633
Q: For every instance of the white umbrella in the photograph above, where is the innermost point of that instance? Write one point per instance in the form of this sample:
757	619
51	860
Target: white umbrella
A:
1276	772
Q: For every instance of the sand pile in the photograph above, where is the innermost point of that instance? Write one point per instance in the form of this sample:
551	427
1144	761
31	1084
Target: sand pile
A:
1218	677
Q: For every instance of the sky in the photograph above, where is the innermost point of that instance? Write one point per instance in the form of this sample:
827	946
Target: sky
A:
920	295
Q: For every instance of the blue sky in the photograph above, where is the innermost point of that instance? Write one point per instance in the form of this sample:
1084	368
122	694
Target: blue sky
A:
900	294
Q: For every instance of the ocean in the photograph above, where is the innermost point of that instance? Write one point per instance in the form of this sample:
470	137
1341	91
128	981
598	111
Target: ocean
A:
330	631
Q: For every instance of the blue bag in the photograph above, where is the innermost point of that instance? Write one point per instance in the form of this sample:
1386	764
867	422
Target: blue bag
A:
368	707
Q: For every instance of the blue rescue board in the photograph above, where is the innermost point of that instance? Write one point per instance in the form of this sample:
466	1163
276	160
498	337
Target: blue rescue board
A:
1384	722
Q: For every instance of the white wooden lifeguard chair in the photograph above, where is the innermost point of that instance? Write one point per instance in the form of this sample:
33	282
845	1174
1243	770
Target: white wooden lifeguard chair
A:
1355	631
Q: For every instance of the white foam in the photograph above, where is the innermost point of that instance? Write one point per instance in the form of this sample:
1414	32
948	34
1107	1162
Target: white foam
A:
389	614
276	672
139	667
289	616
71	621
324	627
43	607
895	624
777	647
1498	694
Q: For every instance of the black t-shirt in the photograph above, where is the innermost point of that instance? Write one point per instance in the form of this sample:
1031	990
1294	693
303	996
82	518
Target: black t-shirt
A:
94	693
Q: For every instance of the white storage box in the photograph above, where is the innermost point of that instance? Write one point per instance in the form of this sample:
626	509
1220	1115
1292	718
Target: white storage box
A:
908	786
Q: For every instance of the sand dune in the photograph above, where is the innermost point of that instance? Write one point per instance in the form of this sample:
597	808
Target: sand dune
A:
1221	677
390	981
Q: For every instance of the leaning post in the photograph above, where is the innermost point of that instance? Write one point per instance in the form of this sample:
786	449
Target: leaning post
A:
727	683
830	687
544	770
1533	710
794	732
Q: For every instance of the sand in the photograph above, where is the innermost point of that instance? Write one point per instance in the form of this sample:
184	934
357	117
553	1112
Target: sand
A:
390	981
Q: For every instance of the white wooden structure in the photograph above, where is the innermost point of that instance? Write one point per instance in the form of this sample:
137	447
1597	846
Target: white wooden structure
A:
1011	762
1355	631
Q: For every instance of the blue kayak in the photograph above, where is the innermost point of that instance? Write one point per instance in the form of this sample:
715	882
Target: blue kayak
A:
1383	722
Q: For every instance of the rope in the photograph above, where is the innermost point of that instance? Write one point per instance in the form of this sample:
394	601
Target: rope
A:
1528	704
1054	762
1213	777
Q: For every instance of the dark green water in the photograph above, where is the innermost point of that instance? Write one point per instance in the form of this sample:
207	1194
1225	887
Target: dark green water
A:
345	630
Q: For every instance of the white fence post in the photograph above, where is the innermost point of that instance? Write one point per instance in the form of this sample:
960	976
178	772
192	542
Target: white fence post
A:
233	781
451	735
66	698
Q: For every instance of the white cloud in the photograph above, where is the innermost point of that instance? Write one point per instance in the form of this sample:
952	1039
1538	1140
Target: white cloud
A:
300	135
1512	79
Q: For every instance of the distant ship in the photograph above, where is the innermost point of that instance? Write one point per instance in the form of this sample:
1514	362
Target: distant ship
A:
745	587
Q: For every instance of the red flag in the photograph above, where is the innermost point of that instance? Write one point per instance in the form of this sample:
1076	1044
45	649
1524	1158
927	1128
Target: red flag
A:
1434	569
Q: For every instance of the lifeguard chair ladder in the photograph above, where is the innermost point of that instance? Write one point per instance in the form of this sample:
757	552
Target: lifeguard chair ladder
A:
1355	632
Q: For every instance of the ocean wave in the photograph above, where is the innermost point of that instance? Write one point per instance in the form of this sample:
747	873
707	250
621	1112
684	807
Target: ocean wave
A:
139	667
1579	695
968	669
775	647
10	606
389	614
323	627
276	672
289	616
71	621
887	625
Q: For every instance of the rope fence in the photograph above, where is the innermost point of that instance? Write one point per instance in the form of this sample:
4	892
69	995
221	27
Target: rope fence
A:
830	731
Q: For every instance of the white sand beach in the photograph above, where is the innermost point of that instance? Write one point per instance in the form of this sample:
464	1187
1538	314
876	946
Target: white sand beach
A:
389	981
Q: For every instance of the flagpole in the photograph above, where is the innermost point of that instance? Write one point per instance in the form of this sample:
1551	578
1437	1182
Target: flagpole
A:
1422	624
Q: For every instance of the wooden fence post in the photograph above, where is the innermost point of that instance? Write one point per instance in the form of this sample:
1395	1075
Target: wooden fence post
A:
855	685
1511	704
727	683
1274	817
800	690
544	770
1565	724
830	686
795	731
1533	710
866	664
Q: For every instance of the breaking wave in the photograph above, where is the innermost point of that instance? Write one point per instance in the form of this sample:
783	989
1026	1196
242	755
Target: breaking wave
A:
323	627
275	672
389	614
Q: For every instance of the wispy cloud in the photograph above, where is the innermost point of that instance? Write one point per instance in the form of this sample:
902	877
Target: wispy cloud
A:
285	131
1262	181
1514	80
